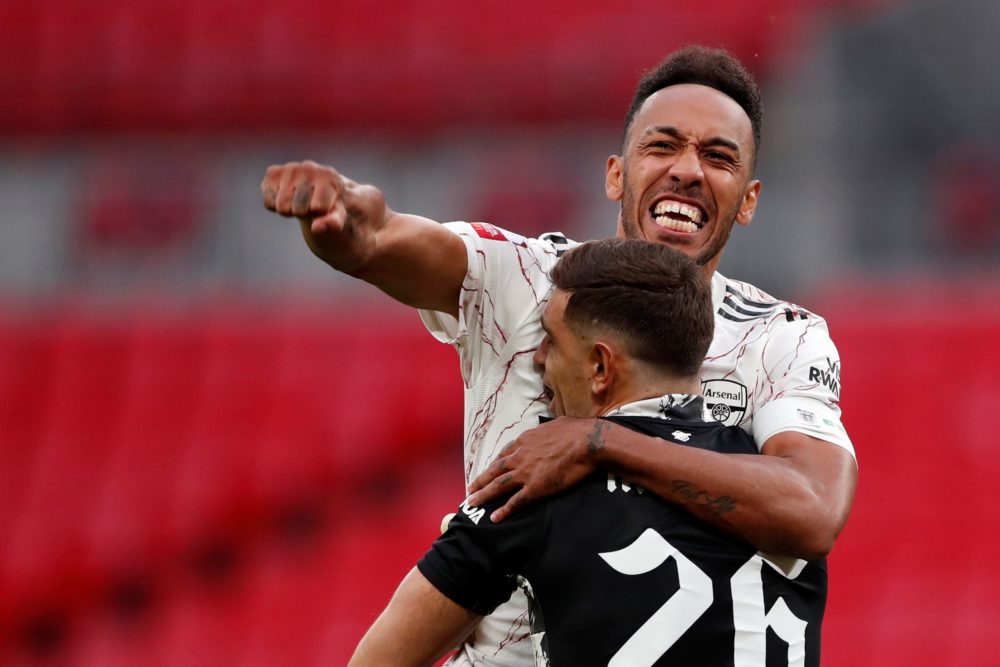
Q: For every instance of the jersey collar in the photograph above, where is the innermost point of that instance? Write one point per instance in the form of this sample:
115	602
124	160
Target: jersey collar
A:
687	407
718	290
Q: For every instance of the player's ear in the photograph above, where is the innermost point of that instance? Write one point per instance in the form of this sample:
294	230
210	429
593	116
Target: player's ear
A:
749	204
603	368
613	178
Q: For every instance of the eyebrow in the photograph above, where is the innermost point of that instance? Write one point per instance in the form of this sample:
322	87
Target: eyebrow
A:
672	131
545	327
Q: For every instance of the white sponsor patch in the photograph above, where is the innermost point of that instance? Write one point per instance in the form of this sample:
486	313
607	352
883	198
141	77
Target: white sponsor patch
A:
474	513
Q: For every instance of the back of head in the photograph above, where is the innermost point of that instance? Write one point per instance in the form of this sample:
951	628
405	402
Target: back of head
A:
656	300
715	68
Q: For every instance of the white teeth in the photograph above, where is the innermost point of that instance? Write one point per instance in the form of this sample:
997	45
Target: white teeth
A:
667	206
676	225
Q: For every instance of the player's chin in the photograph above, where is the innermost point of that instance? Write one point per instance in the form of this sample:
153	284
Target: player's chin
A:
692	244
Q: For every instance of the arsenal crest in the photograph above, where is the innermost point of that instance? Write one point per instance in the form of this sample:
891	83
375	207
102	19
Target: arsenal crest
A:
726	400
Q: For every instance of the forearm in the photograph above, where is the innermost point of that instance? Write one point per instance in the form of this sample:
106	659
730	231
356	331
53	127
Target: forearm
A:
793	499
418	626
416	261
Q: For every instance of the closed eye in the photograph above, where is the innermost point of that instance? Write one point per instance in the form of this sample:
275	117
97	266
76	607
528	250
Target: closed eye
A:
716	156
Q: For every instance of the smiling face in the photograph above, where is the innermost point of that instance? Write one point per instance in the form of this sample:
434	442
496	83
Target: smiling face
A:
685	173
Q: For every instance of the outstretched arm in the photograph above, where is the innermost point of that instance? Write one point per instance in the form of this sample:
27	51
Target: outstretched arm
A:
793	500
418	626
348	225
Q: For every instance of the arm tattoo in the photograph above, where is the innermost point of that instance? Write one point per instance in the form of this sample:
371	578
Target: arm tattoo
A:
718	504
595	441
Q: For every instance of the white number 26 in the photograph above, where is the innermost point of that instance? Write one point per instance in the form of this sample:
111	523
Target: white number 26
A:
694	597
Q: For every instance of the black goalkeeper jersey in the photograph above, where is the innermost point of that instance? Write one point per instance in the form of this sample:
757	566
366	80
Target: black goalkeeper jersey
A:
617	576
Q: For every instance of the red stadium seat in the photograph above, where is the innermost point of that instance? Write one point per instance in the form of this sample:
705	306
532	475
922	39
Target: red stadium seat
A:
235	482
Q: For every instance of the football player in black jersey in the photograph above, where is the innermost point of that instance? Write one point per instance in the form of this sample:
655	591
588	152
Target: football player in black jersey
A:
617	576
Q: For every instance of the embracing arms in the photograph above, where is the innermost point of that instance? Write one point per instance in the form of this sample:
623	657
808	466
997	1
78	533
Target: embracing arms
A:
793	499
412	259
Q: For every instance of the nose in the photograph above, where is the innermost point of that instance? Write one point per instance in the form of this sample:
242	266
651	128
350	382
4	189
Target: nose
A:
541	353
686	167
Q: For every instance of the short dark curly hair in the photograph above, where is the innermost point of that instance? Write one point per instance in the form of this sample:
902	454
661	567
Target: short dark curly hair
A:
715	68
656	299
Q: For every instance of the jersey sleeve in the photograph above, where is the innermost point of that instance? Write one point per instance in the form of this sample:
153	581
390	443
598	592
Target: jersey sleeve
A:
474	561
505	284
803	365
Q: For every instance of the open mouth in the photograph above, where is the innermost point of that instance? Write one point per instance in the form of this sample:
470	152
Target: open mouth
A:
677	216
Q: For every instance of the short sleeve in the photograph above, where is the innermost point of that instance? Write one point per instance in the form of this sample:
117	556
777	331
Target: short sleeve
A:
505	284
474	562
804	367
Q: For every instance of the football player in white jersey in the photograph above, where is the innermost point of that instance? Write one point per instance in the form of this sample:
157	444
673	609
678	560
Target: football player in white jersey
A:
627	330
684	177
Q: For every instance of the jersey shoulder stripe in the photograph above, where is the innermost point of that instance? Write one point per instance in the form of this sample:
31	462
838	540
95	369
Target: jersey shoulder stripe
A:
736	295
737	306
793	312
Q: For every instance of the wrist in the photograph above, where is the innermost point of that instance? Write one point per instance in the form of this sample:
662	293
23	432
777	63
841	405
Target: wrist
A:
595	444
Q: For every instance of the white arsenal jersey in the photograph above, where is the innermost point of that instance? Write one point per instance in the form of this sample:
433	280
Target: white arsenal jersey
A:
771	368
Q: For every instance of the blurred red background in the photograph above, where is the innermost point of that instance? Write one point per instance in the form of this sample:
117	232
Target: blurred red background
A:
245	483
198	471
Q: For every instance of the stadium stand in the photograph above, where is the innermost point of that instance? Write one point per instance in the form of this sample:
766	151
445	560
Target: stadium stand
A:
192	496
200	471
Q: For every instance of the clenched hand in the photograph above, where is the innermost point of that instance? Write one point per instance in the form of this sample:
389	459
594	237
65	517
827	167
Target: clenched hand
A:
338	217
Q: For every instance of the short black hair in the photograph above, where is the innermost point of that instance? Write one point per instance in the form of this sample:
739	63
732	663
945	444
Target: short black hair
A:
715	68
656	299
